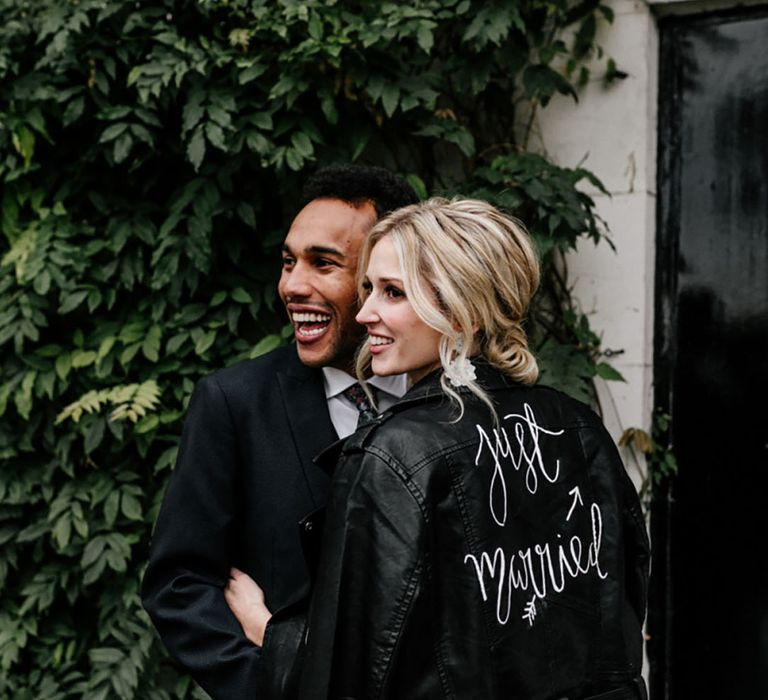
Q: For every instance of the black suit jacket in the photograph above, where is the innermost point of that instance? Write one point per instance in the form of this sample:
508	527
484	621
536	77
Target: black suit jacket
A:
243	480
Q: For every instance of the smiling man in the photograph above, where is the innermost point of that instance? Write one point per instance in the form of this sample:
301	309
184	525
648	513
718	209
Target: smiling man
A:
317	284
245	478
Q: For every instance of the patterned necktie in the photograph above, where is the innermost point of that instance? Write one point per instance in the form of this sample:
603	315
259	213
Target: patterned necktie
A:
357	396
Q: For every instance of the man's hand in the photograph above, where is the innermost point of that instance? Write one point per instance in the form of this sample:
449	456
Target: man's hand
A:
246	600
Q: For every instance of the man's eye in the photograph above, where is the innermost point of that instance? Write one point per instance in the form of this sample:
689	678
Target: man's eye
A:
324	262
287	262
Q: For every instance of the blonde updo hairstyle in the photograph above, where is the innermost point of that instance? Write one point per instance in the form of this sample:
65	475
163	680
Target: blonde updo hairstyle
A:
470	273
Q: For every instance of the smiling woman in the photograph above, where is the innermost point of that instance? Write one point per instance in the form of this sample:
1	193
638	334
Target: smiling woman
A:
443	282
399	340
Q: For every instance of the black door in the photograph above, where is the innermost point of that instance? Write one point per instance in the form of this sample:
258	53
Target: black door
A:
709	617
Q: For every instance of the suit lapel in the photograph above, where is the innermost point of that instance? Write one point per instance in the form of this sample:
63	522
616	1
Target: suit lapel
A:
311	427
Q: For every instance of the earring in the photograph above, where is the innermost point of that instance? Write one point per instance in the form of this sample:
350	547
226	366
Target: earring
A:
460	371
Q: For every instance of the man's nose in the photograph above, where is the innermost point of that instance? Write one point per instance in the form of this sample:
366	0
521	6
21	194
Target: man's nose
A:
298	281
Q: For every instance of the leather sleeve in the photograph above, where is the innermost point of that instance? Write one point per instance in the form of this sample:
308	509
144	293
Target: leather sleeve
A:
190	557
638	549
282	653
626	554
368	579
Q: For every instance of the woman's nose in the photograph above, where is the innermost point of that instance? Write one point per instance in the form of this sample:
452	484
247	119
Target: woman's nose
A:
367	312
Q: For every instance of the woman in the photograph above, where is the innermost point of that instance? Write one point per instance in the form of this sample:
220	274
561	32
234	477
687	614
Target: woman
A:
482	538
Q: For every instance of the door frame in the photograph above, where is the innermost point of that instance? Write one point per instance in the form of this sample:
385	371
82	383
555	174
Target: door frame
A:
661	602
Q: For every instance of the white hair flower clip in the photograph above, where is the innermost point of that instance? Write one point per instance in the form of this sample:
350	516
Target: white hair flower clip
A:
460	370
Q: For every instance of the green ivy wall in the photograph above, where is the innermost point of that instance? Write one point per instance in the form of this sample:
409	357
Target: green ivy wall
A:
151	154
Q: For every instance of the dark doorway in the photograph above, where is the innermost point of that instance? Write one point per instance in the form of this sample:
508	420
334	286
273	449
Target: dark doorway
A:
709	610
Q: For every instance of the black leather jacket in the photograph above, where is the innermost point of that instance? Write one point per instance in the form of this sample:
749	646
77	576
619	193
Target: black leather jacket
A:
471	560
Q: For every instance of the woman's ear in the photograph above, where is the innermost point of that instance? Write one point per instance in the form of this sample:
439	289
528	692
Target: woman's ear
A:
457	328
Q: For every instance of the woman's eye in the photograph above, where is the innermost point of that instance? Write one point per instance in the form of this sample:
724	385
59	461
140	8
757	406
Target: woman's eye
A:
393	292
366	288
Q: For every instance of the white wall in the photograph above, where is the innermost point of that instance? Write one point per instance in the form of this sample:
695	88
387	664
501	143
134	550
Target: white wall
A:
612	132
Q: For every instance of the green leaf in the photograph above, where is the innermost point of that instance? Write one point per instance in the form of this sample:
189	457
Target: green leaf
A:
215	134
176	342
112	132
390	96
328	106
74	111
94	572
196	148
425	37
62	531
241	296
607	372
418	185
262	120
204	342
541	82
129	353
130	507
105	656
42	283
34	531
71	301
151	345
246	213
147	423
23	395
110	508
94	435
122	148
63	365
83	358
105	346
315	26
265	345
302	144
293	159
251	72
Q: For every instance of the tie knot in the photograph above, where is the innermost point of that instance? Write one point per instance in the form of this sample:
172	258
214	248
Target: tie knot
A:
359	399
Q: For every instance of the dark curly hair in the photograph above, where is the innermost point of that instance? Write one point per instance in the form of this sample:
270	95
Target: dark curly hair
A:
356	184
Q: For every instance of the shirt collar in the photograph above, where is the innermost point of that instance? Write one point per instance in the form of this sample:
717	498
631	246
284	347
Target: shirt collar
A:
336	381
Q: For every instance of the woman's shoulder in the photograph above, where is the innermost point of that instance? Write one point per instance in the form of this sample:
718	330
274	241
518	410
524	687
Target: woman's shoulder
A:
571	412
436	424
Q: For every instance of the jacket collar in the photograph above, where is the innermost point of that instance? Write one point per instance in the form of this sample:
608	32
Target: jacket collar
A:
427	390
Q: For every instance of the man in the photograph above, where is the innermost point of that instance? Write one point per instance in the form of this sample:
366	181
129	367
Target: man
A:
245	476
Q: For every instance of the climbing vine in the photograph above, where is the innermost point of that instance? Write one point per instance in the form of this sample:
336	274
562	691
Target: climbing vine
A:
151	154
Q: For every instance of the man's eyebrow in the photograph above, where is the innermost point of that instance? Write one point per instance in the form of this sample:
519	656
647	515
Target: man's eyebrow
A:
323	250
316	250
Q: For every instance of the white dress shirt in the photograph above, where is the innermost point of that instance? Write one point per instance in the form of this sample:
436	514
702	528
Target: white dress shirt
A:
343	412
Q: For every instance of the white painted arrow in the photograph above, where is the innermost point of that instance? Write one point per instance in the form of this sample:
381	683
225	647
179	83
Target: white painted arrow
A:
576	498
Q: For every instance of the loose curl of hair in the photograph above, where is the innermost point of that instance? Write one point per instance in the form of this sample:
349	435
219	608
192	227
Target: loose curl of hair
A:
470	272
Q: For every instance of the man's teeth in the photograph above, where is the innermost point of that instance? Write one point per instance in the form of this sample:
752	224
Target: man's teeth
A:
310	318
312	331
378	340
